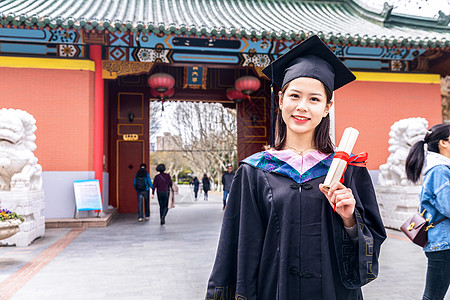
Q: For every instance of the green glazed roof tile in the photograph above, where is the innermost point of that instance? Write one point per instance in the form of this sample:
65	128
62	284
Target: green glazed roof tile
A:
338	21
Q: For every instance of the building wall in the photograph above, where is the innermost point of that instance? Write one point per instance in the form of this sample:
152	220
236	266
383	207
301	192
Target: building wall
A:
62	102
59	93
373	107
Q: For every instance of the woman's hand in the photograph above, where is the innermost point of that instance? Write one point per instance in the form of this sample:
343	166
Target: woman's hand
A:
341	198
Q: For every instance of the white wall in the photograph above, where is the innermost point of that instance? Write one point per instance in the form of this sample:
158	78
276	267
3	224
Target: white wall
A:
59	194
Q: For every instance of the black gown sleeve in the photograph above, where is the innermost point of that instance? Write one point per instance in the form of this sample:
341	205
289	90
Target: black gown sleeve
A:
358	258
235	271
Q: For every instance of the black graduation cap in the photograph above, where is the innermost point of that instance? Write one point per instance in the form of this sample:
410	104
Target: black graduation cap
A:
311	58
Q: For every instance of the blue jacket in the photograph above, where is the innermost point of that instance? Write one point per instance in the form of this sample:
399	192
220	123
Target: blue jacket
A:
435	198
148	183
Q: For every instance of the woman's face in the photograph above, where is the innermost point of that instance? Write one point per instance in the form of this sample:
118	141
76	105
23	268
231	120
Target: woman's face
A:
303	105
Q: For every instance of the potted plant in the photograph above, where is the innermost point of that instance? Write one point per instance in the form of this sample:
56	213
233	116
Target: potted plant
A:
9	223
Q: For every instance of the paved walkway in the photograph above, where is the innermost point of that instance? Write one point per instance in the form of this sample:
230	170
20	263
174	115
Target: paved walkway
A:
131	260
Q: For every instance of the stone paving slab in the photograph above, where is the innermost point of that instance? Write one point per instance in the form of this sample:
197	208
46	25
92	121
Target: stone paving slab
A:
131	260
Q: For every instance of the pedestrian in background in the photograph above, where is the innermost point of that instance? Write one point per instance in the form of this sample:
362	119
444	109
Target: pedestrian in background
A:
206	186
196	184
283	235
172	192
162	184
431	157
142	184
227	178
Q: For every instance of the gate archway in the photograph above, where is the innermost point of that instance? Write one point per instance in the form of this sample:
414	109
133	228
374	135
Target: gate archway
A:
129	144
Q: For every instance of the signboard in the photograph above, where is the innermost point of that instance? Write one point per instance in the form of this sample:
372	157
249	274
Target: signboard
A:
87	195
195	77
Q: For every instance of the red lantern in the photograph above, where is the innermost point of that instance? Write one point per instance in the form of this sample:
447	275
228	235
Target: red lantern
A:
161	82
247	84
235	95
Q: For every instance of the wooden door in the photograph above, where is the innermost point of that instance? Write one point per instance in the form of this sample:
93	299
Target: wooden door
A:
253	123
129	116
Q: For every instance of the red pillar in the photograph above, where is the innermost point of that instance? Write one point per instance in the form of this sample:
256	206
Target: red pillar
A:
95	54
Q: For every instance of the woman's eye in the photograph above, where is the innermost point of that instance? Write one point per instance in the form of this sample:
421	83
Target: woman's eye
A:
315	99
293	96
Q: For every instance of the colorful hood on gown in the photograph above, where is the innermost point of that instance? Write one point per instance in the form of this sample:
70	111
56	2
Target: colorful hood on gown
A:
268	162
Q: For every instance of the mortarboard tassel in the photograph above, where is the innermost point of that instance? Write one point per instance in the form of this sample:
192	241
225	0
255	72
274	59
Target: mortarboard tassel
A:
272	112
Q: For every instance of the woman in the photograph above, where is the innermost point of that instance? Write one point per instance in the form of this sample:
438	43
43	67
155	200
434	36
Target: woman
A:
281	238
435	200
142	184
196	184
206	186
162	183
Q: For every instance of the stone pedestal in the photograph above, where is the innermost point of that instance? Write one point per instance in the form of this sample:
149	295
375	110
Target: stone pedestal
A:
28	204
397	203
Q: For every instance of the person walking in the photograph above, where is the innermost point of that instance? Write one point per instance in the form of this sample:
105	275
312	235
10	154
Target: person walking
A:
227	178
142	184
431	157
283	235
162	184
196	184
172	192
206	186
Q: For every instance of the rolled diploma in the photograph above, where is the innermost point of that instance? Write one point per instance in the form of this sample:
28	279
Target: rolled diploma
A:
337	167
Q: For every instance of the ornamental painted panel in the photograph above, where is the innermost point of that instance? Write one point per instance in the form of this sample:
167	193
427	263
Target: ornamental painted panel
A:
24	35
120	39
150	55
64	36
113	69
256	60
195	78
118	53
67	50
44	42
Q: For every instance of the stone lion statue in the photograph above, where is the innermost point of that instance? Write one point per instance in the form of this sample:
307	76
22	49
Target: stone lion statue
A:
403	135
18	166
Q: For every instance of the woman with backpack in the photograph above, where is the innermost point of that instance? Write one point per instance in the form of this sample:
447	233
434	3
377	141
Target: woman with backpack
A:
196	184
431	158
142	184
162	183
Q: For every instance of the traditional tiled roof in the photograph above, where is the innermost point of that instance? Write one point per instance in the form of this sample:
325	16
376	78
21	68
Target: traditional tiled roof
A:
344	21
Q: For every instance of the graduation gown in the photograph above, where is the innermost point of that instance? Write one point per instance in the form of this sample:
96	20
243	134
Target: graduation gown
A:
280	238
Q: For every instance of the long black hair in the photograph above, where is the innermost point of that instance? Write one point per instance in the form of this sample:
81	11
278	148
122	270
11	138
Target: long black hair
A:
142	172
322	139
416	156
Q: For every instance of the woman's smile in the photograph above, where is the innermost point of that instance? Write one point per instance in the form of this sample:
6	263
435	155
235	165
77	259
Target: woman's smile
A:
300	119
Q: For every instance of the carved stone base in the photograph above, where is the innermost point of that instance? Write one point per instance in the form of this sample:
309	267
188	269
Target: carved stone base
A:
28	204
397	203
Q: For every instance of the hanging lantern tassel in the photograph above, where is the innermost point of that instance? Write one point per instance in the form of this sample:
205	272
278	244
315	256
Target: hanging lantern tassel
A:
162	96
250	100
162	102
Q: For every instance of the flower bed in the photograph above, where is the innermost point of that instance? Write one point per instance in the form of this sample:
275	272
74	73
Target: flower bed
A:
9	223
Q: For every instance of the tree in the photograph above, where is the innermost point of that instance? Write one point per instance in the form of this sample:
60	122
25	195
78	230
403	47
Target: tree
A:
209	135
174	161
155	117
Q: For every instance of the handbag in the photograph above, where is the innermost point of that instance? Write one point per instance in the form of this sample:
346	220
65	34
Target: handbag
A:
416	228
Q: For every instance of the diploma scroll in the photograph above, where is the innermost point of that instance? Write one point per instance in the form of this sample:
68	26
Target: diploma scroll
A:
339	164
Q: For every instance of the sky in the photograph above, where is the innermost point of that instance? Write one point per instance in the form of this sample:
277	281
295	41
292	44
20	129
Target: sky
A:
425	8
166	117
